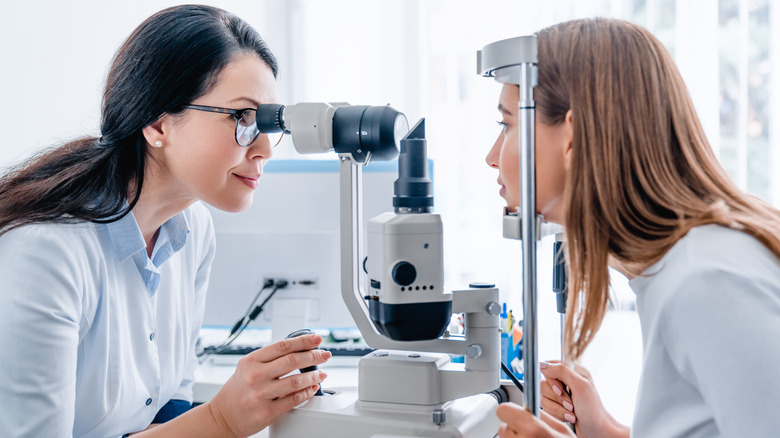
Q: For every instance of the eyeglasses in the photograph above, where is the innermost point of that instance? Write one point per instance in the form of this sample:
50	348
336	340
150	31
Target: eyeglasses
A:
246	123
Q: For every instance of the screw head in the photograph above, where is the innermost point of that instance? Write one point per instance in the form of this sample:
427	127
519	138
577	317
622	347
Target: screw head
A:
439	417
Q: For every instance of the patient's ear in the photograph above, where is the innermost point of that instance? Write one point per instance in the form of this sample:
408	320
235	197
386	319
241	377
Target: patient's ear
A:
568	123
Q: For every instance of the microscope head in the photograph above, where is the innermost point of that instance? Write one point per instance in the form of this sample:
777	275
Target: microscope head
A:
405	265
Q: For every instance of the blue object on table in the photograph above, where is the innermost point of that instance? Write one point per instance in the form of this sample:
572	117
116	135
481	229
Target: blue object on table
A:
506	357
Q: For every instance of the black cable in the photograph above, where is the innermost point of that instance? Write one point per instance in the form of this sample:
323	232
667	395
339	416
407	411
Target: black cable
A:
268	283
520	387
512	377
245	320
259	309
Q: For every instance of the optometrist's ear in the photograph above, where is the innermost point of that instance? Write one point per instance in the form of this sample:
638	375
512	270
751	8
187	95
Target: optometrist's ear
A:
568	123
155	133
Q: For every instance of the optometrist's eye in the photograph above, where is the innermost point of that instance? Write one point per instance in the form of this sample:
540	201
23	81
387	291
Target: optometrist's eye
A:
248	117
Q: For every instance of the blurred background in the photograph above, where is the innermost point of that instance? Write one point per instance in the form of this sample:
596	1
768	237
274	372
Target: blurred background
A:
419	56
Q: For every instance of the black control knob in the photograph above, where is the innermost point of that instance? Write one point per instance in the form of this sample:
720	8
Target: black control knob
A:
404	273
295	334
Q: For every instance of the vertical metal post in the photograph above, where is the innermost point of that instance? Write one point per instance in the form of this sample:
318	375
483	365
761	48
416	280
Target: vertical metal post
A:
514	61
526	119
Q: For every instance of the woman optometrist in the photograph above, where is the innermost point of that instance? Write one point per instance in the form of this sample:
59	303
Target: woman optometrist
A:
623	164
105	250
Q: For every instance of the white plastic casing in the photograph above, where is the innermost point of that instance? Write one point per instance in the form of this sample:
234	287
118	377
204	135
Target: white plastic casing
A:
413	238
311	124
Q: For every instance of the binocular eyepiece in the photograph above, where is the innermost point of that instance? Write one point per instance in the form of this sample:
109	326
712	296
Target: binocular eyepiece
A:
366	132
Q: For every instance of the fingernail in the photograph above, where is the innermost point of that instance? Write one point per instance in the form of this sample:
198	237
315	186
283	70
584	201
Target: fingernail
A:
323	375
557	391
326	354
543	365
570	418
568	406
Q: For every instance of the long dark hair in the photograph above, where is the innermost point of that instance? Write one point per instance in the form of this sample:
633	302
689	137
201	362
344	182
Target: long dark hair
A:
171	59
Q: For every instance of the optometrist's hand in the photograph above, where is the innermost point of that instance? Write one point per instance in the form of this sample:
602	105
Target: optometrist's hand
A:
583	407
519	422
260	390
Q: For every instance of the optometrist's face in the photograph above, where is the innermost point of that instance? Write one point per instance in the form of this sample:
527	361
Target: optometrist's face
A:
201	155
553	145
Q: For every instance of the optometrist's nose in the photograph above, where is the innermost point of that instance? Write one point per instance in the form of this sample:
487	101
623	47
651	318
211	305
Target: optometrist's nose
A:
261	148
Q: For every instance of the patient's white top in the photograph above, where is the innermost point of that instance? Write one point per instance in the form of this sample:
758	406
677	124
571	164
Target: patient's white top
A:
710	317
96	336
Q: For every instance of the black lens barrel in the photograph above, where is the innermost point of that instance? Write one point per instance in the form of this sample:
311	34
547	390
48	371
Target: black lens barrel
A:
413	190
361	129
269	118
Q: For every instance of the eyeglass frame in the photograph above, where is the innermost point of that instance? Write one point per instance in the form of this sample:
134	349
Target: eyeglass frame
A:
237	113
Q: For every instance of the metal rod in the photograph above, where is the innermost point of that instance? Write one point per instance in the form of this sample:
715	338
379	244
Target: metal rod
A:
526	119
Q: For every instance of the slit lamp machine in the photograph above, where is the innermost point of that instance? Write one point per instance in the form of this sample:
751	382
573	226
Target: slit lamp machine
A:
408	386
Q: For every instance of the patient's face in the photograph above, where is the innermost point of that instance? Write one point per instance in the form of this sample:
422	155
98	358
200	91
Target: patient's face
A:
552	145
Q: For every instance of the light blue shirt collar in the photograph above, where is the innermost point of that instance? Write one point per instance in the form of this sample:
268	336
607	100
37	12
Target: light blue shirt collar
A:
129	242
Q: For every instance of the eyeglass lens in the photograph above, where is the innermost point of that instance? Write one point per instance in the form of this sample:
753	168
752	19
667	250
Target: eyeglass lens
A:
247	131
246	128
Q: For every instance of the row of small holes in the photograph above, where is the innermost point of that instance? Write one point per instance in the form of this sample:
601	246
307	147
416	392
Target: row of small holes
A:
417	288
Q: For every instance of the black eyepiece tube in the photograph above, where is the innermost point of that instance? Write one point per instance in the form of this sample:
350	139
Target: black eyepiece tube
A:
413	189
368	132
269	118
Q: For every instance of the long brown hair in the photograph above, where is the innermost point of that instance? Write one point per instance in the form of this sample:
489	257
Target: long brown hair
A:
172	58
642	172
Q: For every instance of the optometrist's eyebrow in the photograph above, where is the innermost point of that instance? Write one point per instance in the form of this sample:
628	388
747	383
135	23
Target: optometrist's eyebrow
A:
246	99
504	111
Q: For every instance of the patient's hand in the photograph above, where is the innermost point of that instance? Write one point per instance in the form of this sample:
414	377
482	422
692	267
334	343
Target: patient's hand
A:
519	422
581	406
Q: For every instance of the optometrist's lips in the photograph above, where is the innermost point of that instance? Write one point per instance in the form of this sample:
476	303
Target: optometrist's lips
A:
249	179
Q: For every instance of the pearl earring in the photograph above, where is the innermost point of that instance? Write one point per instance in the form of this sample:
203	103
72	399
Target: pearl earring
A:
158	143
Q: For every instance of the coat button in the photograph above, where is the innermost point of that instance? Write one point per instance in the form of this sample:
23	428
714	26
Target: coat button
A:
148	401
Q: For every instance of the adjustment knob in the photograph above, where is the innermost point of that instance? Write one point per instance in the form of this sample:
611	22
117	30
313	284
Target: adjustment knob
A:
302	332
404	273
